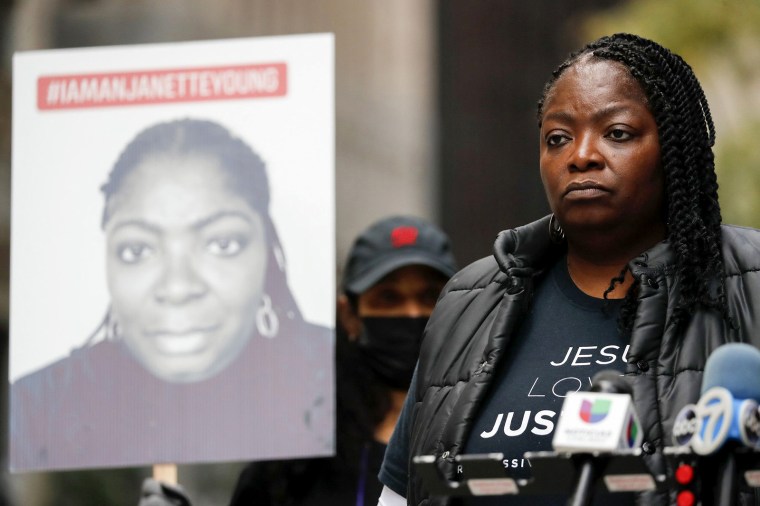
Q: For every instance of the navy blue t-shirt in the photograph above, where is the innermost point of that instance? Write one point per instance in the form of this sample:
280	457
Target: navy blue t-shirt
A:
566	338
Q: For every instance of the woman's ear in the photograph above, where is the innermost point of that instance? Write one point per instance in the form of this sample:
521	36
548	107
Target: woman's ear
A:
348	319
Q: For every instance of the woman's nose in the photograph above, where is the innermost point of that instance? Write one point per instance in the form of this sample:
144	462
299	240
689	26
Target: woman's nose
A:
180	281
585	154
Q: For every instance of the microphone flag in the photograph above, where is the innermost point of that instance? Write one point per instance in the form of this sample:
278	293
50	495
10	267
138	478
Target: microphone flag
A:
722	418
597	422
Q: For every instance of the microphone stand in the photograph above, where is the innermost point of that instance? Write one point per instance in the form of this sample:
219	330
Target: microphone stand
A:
726	491
585	485
608	382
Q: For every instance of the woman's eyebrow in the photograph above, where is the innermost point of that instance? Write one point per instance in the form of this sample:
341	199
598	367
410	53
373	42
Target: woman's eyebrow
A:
604	112
197	225
143	224
610	110
203	222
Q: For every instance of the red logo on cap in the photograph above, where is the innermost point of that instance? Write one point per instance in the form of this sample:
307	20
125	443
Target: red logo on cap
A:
403	236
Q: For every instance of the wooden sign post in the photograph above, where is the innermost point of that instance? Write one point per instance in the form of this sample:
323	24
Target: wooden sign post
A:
166	473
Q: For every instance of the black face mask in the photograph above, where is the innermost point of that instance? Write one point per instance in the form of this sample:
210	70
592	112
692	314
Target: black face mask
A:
391	346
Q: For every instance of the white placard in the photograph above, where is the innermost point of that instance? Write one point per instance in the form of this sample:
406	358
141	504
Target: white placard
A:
78	114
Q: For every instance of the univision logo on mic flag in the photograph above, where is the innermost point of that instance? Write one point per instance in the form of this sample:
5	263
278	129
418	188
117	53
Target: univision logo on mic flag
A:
594	411
632	432
595	421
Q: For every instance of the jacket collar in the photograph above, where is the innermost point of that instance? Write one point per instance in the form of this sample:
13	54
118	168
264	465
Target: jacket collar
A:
657	258
523	250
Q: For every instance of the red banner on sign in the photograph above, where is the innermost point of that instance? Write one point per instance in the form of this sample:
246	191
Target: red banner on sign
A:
161	86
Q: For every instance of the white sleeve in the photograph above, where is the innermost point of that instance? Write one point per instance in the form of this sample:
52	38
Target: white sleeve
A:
390	498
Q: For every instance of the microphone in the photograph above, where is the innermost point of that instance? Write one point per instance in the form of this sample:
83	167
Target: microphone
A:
727	408
685	426
726	416
601	420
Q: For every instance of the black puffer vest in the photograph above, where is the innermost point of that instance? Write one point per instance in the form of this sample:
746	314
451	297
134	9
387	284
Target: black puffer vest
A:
482	305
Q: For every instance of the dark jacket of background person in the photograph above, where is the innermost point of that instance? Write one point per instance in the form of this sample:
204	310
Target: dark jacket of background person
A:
483	304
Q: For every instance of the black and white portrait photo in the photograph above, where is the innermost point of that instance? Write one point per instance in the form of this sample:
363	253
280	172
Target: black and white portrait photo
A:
173	254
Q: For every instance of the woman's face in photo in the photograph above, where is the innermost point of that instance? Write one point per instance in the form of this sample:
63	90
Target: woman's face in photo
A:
186	261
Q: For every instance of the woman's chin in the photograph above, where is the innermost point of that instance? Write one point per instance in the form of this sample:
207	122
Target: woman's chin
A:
187	357
183	368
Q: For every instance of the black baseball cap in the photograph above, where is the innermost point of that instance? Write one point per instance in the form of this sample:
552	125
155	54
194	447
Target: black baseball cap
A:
393	243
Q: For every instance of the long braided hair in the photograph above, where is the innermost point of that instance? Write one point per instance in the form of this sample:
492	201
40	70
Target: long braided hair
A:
687	135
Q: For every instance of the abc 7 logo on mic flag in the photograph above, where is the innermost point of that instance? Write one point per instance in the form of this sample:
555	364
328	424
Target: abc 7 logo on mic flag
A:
716	419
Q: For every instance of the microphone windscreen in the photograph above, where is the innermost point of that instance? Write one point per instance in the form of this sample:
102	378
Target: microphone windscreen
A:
609	381
735	367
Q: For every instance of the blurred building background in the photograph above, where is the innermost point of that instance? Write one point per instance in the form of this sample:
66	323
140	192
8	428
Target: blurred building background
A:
435	116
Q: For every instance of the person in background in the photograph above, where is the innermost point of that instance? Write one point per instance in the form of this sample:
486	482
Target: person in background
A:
633	271
395	271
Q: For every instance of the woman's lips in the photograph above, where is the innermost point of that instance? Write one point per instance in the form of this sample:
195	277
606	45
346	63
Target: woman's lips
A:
183	342
584	189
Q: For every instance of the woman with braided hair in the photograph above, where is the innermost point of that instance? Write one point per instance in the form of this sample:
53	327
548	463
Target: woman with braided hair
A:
632	271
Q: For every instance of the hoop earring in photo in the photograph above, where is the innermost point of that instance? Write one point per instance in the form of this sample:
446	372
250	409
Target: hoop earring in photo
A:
556	234
267	322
